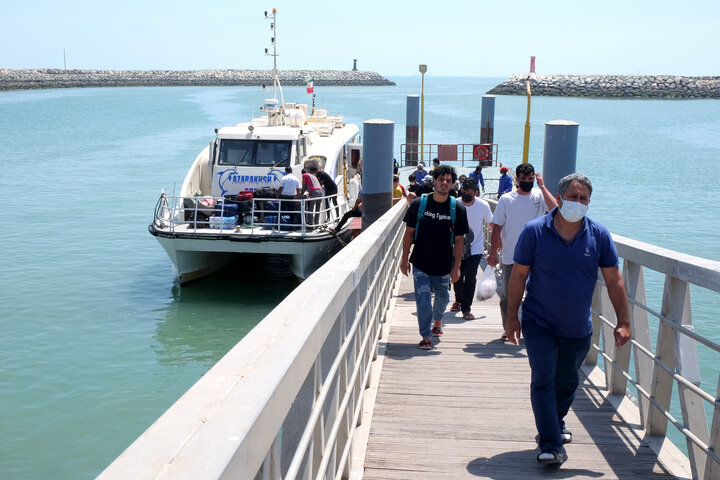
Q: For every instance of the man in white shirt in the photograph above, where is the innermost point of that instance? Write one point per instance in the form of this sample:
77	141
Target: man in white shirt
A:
512	212
290	190
478	214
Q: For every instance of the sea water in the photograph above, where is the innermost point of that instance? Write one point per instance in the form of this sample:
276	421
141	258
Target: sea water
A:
98	337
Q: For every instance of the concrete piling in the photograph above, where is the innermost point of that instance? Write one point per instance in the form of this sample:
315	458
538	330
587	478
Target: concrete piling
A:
487	122
412	122
378	135
560	154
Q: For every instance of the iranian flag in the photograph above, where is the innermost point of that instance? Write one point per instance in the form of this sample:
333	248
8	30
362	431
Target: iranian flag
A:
310	86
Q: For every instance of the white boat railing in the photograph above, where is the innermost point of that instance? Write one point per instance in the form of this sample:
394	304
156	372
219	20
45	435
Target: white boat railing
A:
286	400
199	214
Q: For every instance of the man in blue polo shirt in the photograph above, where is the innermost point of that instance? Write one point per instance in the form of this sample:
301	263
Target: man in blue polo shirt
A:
559	255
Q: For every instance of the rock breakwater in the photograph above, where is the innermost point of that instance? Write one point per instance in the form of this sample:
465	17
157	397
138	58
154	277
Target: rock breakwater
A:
59	78
615	86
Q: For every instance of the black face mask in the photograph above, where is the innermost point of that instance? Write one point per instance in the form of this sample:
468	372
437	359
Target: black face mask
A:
467	198
526	186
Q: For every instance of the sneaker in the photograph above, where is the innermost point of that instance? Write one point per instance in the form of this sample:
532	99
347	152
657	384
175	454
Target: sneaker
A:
437	331
504	337
455	307
425	344
552	458
566	435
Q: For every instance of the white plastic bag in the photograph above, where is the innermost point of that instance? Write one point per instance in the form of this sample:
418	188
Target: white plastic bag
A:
486	285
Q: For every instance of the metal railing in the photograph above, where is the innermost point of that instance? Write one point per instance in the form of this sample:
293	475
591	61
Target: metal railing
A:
199	214
286	400
674	362
450	153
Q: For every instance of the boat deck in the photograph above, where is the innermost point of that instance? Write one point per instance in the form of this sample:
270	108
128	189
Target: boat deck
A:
462	410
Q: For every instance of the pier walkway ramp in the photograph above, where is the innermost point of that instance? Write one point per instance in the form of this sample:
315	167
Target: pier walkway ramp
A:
462	410
331	385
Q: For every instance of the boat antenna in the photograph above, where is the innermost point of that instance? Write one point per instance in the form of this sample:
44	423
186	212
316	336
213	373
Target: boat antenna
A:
273	41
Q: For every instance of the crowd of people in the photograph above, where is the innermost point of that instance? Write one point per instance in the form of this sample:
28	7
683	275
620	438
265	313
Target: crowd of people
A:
549	254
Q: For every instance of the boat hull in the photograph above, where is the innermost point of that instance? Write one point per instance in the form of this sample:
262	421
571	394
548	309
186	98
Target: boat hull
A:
197	255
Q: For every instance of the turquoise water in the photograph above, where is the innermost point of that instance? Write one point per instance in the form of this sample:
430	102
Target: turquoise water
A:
98	339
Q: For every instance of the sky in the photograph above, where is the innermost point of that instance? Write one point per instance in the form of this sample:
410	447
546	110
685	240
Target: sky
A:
391	37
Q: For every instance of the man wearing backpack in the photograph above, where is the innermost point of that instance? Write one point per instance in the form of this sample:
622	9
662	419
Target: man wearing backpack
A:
435	224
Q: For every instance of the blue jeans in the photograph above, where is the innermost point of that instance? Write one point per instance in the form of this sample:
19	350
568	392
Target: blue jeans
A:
427	311
554	361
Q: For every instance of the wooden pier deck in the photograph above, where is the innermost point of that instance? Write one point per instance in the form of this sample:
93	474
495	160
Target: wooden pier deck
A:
463	410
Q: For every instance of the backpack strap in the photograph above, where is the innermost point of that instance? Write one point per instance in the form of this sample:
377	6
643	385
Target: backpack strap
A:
421	212
453	208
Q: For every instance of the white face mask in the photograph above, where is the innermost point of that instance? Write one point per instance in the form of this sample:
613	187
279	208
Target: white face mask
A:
573	211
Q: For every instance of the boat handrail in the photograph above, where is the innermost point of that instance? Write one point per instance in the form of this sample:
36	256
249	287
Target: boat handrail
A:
194	212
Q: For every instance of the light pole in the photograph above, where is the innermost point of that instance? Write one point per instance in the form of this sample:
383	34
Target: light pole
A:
423	69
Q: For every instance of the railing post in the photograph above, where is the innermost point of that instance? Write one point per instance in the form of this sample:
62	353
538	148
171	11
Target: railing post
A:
693	408
712	469
662	382
592	355
412	116
640	327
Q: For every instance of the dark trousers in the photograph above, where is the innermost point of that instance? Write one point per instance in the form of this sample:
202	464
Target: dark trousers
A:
465	286
355	212
332	201
291	207
554	362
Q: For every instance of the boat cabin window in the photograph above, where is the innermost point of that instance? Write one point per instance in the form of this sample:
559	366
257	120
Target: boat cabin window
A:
255	153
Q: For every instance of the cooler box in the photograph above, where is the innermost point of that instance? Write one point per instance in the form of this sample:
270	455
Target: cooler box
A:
225	223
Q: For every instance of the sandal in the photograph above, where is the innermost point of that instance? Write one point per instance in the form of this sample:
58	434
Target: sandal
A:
437	331
425	344
504	337
455	307
468	316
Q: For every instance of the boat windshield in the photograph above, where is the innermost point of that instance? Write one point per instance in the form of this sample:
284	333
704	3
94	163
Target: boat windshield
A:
255	153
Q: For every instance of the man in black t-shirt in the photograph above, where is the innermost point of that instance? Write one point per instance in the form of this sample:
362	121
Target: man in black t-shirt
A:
436	254
331	190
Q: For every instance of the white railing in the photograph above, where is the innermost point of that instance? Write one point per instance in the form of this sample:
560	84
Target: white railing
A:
286	400
674	361
264	213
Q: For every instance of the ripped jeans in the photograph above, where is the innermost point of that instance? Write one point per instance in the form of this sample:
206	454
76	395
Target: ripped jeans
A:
426	310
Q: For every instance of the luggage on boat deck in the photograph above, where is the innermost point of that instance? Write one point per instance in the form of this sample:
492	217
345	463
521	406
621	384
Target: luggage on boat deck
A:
272	220
245	195
225	223
244	205
226	209
265	192
197	218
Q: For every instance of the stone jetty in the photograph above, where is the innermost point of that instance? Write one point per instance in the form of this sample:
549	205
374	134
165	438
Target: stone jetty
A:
615	86
59	78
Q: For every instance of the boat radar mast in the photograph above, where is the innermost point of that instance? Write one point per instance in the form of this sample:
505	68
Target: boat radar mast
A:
273	41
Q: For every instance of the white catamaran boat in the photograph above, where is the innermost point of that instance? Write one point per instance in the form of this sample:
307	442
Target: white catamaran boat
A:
227	204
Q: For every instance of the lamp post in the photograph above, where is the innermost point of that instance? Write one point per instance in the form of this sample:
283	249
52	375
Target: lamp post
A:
423	69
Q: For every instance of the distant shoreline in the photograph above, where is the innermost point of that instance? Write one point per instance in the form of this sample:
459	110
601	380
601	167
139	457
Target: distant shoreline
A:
613	86
26	79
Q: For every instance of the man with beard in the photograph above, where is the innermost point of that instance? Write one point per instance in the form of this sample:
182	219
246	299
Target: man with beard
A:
512	212
478	214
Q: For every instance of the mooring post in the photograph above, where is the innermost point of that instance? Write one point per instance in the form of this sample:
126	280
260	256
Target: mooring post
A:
377	169
560	154
412	125
487	122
